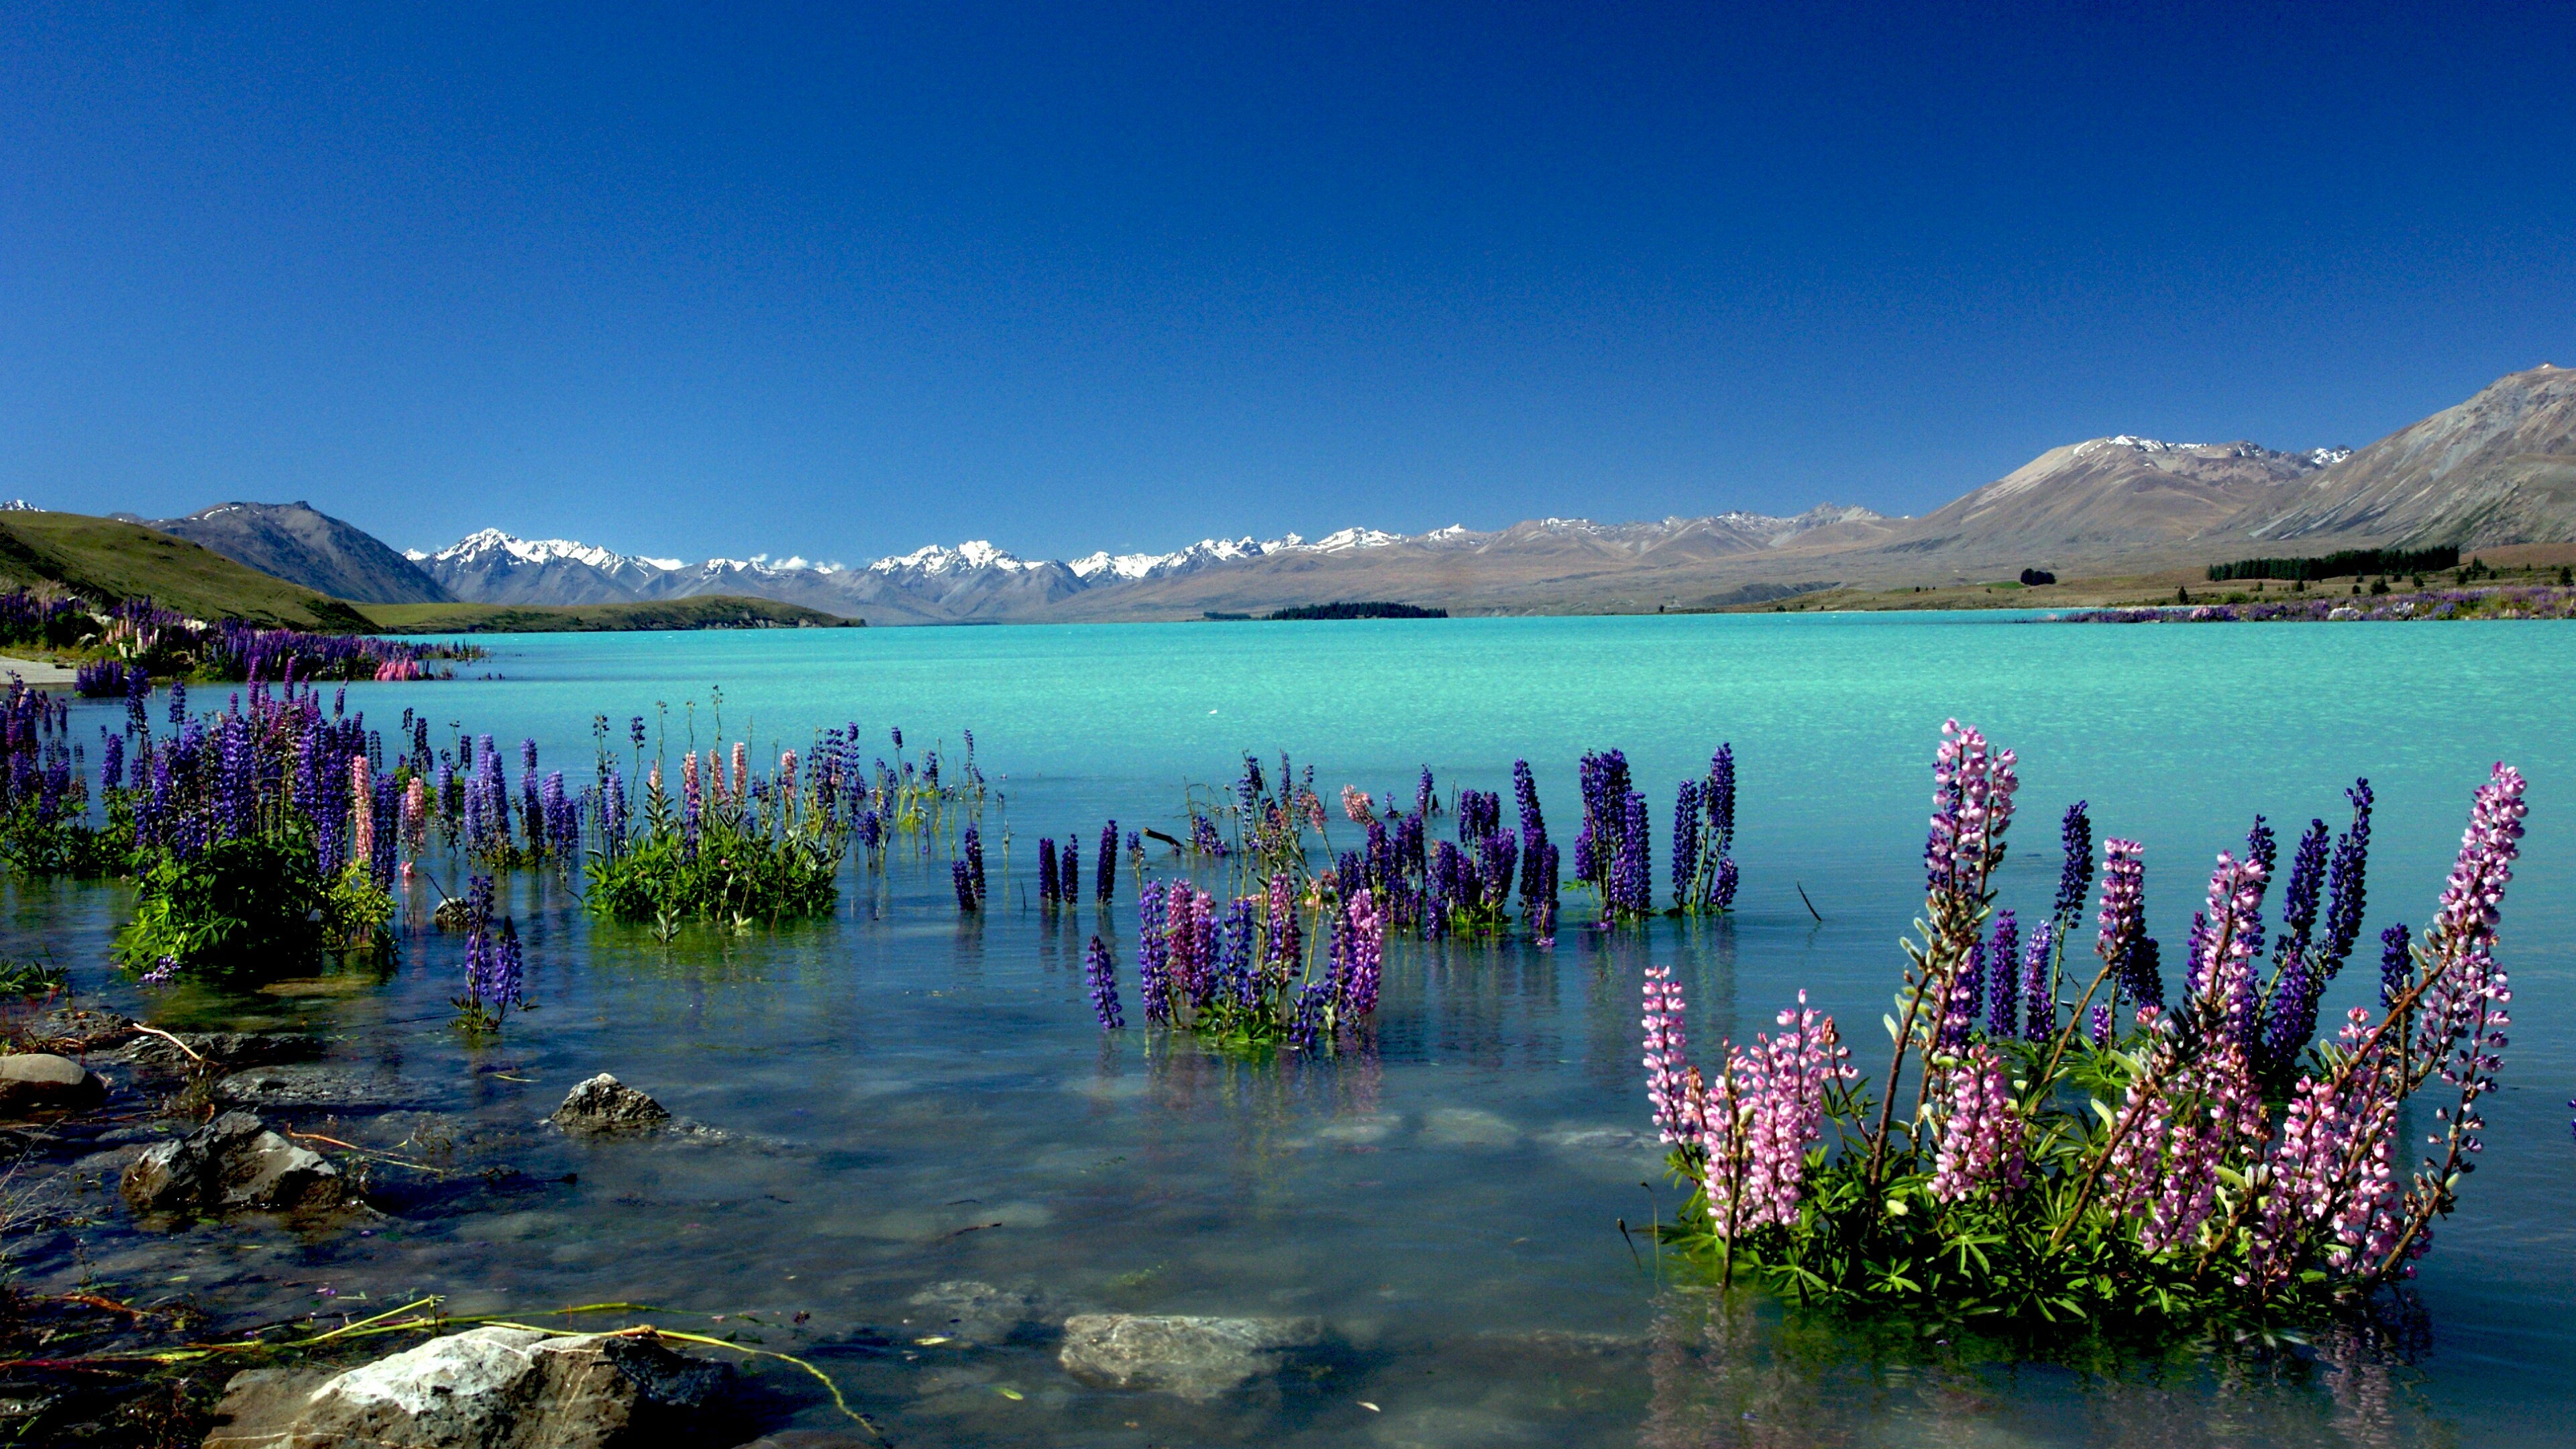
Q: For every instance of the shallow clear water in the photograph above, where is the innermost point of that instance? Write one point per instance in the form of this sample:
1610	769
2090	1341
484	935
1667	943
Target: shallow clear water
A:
913	1100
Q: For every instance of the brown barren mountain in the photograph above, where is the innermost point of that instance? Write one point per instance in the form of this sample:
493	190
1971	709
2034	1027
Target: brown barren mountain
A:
2497	469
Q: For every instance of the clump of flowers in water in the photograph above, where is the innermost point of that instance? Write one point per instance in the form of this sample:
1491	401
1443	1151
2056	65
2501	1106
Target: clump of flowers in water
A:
1249	974
495	971
1704	876
2061	1154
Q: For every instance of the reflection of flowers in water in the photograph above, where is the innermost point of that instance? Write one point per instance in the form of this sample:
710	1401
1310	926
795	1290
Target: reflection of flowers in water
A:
1740	1370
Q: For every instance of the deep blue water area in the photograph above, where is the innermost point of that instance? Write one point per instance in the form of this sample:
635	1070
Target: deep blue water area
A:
907	1099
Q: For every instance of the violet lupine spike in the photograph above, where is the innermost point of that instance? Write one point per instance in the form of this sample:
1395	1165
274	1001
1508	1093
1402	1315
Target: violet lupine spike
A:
2075	873
1104	882
964	881
2396	961
1676	1112
1363	942
1068	859
1153	953
2347	888
2039	1007
1100	972
1686	843
2003	1018
1980	1152
1048	884
2300	894
1967	999
1238	974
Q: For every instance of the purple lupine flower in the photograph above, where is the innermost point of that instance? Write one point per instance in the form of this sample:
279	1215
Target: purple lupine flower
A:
2396	962
1306	1022
2300	895
1047	882
1237	980
973	845
2039	1001
2075	875
1632	877
1192	948
1686	843
111	759
1283	947
964	881
2102	1024
1424	797
1104	884
1967	999
2347	890
1102	975
1153	953
2003	1020
1361	943
138	695
1980	1152
1068	860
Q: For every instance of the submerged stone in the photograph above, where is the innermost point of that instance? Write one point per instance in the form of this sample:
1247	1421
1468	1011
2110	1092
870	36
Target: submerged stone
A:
232	1164
488	1388
1197	1359
972	1312
40	1081
604	1104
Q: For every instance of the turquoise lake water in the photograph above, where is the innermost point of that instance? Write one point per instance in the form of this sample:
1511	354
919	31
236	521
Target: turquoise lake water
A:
914	1100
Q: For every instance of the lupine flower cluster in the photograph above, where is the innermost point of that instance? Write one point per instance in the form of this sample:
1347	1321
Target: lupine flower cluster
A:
2203	1156
1244	975
1742	1133
495	969
136	636
1704	876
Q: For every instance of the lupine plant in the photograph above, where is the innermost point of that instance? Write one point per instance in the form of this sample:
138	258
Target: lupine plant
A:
1249	975
137	636
1704	876
2201	1157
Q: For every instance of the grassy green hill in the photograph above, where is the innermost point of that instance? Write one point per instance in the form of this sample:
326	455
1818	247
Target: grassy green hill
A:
710	611
103	559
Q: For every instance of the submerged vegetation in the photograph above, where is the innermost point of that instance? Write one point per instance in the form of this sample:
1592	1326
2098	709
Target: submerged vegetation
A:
2043	1153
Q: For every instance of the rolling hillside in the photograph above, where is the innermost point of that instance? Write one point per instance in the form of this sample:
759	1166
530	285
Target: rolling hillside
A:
106	559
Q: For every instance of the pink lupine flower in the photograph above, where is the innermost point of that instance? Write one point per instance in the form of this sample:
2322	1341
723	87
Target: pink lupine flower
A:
1668	1059
1760	1114
1972	794
362	809
1355	804
1981	1152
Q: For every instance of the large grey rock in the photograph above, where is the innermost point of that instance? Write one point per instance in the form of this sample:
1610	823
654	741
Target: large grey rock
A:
486	1388
40	1081
604	1104
232	1164
1191	1358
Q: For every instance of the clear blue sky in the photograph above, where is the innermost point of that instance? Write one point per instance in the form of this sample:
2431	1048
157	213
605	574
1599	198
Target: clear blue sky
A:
694	279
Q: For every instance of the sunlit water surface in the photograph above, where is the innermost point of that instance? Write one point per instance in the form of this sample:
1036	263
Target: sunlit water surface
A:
912	1099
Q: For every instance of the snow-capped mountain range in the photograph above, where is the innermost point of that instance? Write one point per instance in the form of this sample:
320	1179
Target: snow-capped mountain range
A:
975	580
